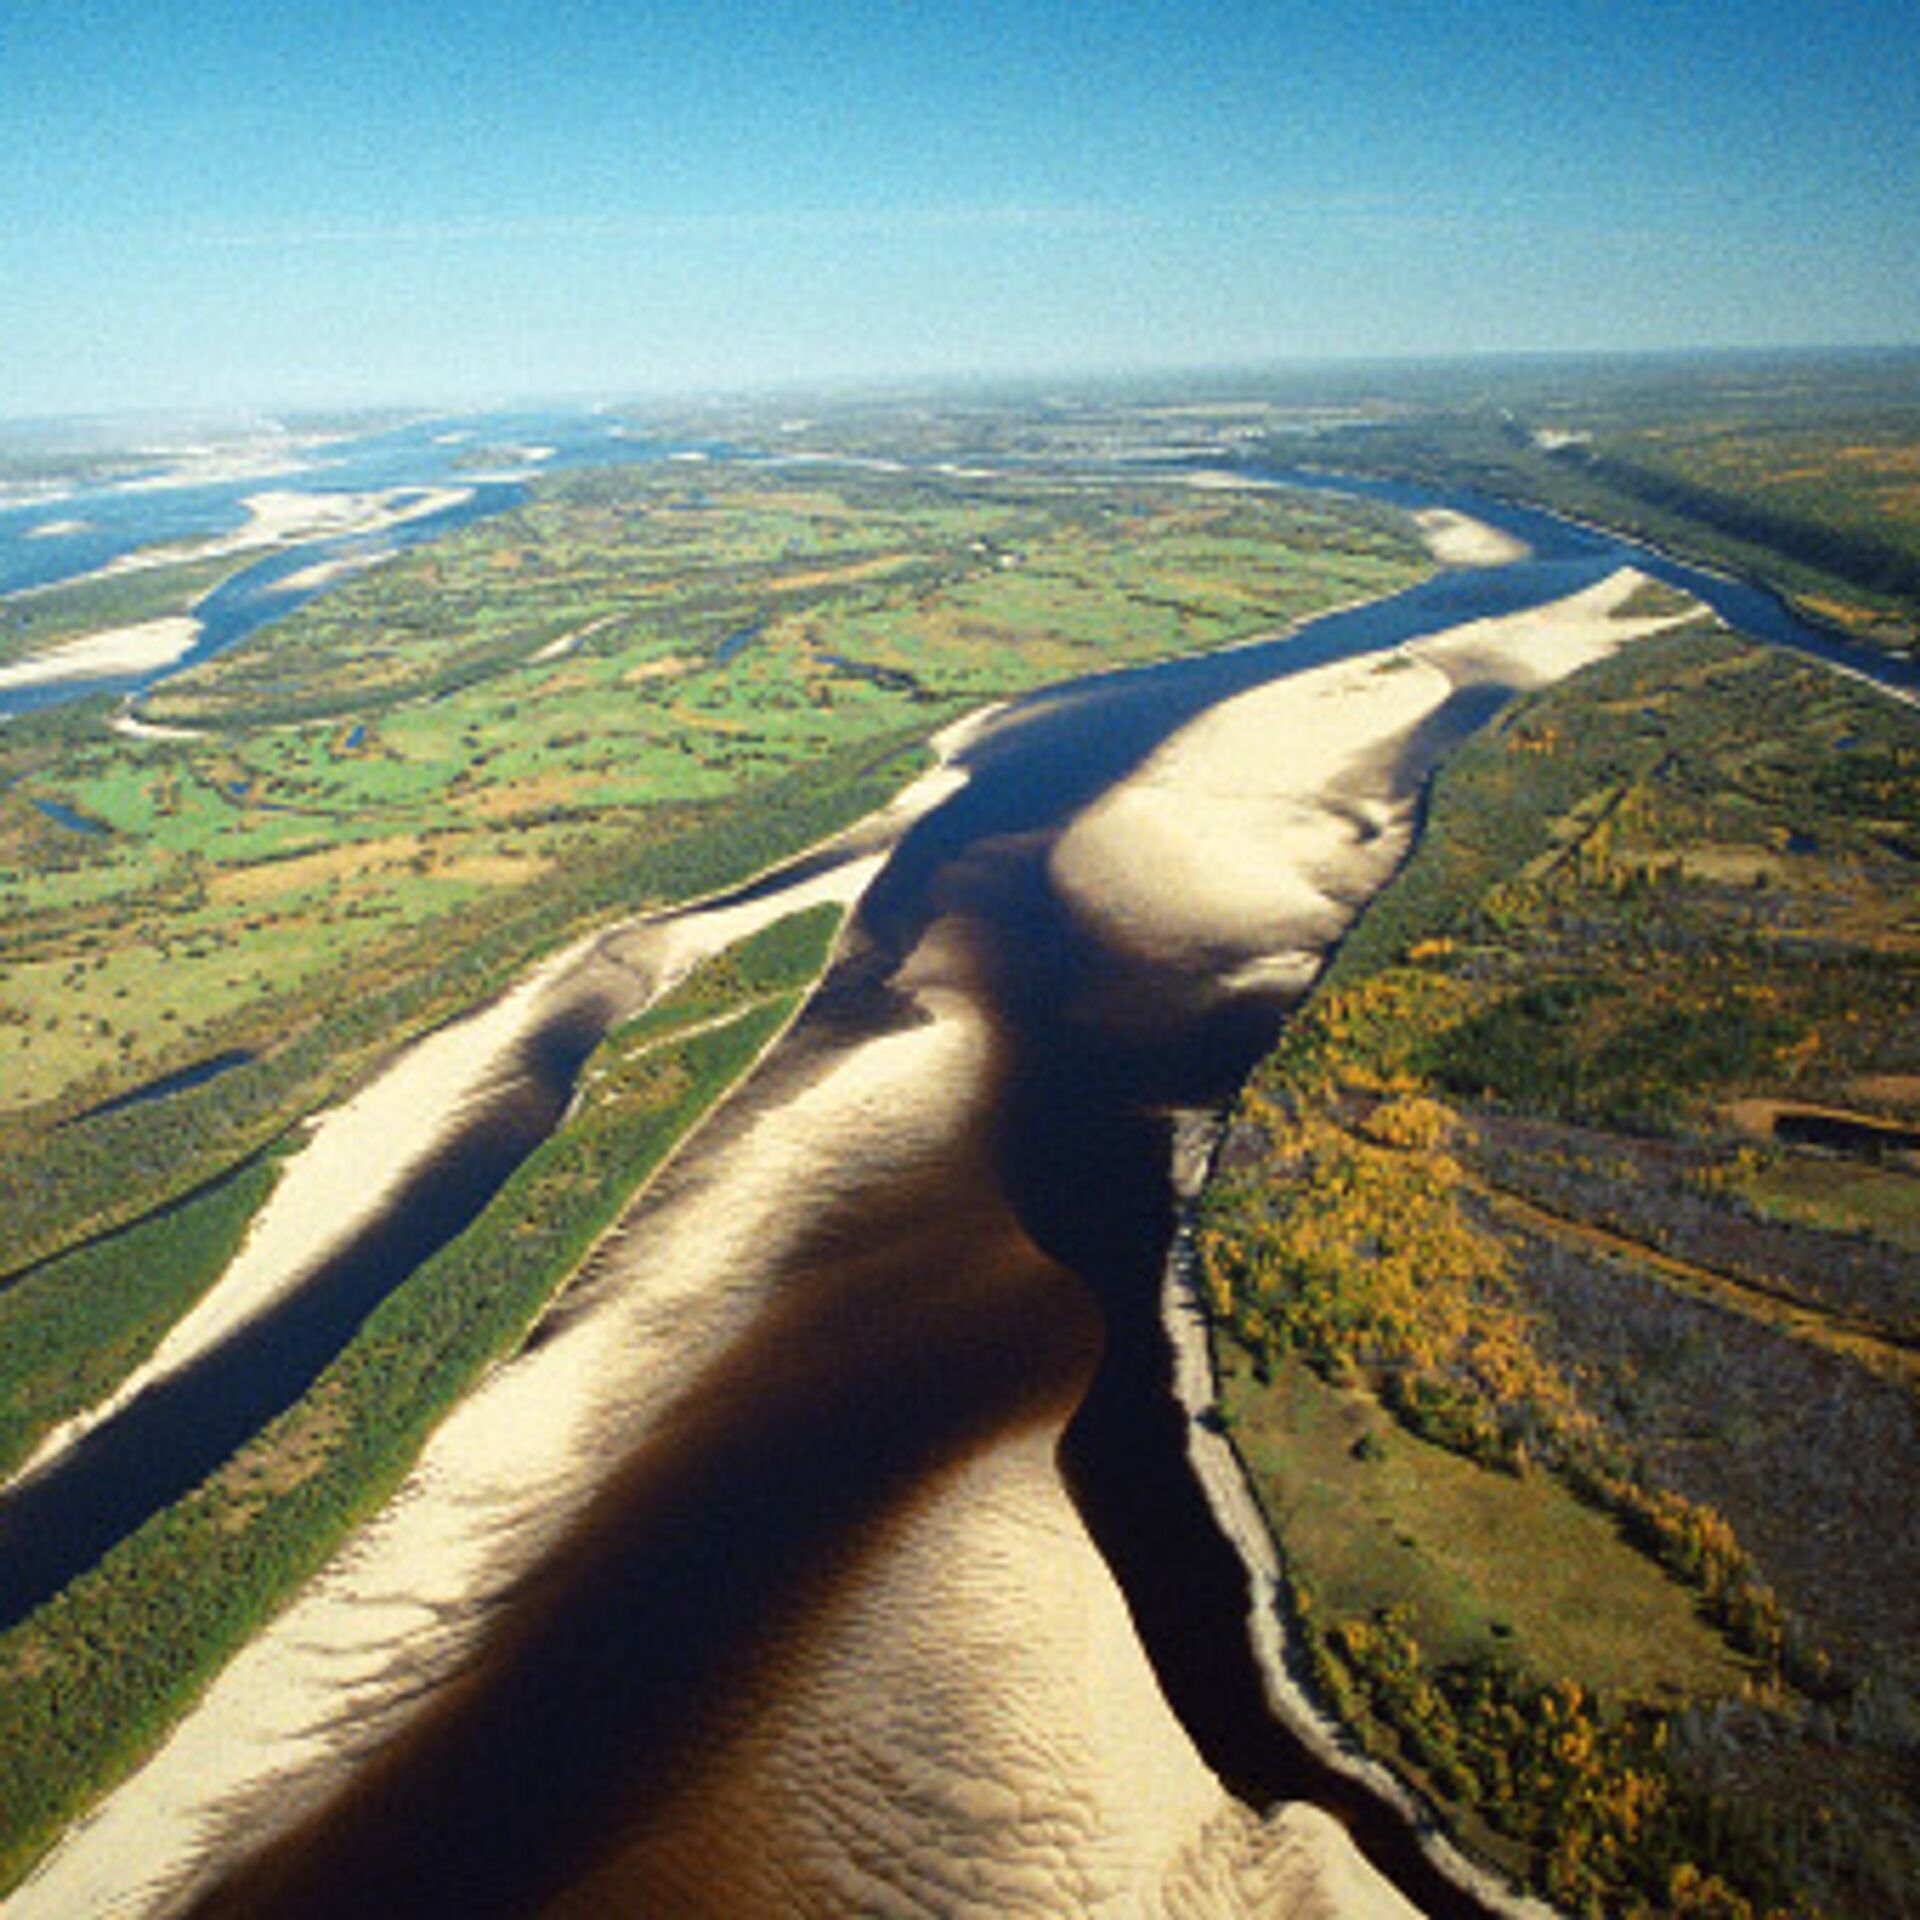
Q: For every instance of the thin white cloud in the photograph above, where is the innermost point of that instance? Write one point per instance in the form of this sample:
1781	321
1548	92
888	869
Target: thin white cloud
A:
853	222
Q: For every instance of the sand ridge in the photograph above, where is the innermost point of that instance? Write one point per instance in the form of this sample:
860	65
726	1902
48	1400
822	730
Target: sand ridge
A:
1249	840
1459	540
109	654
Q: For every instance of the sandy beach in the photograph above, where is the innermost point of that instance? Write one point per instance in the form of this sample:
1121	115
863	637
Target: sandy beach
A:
280	517
1246	844
968	1726
371	1145
110	654
419	1097
130	724
324	573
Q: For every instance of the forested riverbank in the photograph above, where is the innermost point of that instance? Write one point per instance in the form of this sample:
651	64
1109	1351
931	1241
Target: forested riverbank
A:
1510	1297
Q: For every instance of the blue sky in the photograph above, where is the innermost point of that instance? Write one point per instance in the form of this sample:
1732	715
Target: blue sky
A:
207	204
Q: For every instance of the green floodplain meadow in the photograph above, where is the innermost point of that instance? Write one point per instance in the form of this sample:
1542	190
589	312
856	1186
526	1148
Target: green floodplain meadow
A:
1581	1403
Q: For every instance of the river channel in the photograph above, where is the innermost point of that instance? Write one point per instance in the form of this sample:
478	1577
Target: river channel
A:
599	1714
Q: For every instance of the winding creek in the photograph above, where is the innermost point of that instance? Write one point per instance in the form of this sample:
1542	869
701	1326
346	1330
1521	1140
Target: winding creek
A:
740	1615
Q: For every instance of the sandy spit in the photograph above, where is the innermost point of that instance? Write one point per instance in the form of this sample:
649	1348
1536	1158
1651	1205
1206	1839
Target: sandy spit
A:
1244	847
324	573
349	1168
370	1145
1247	843
129	723
280	516
497	1479
973	1731
108	654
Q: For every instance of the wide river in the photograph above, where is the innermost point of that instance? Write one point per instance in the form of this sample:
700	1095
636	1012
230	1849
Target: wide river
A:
917	1313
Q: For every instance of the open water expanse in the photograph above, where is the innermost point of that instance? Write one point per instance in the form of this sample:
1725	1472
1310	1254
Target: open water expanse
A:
1078	1157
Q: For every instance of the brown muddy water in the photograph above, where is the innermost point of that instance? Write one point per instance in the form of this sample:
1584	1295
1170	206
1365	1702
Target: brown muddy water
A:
928	1313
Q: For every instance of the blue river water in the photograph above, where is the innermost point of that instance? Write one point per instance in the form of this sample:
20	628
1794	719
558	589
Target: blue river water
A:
1567	555
63	539
493	454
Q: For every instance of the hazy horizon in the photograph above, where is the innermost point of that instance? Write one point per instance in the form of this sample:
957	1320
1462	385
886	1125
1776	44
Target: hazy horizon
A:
216	208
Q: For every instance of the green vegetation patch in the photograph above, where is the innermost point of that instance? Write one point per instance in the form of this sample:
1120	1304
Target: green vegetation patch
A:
74	1327
1477	1565
312	1036
447	738
1874	1202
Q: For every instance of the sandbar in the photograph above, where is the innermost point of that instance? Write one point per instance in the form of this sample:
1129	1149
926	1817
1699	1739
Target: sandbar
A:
129	723
113	653
419	1096
1247	843
324	573
1459	540
971	1729
279	517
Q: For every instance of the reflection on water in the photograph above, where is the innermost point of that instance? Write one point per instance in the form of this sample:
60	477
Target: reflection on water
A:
914	1320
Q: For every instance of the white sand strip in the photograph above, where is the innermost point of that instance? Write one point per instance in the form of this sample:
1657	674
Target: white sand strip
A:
323	573
129	723
1248	842
207	466
558	649
500	1474
1459	540
110	654
283	517
358	1156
